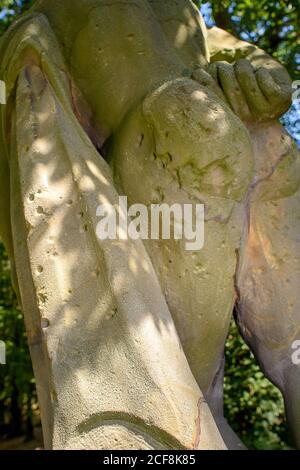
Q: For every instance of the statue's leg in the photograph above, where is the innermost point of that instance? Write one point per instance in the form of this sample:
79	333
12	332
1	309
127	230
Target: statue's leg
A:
110	369
188	148
31	41
269	271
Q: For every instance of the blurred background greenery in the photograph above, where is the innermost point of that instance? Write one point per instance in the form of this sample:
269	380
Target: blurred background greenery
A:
253	406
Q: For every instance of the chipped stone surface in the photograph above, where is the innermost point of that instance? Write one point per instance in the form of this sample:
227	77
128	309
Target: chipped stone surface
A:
125	358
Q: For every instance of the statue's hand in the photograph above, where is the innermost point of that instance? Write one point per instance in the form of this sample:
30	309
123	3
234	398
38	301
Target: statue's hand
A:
261	94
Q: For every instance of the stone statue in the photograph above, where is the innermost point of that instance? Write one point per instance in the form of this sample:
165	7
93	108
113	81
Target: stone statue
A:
137	98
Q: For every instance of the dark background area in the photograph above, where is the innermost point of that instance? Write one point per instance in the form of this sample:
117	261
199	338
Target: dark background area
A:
253	406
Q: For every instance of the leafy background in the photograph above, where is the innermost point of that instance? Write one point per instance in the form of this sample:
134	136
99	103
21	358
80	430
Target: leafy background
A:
253	406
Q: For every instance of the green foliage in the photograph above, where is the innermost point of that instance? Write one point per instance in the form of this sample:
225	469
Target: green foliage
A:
271	25
17	388
253	406
10	9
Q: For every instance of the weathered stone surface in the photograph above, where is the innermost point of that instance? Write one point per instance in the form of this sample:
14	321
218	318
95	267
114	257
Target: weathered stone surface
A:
127	338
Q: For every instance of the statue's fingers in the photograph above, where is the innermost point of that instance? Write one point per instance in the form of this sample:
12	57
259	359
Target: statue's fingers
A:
282	78
207	80
267	85
213	71
245	74
233	91
274	92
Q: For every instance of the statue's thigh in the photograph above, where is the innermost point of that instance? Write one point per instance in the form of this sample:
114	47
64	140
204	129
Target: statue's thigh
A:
268	282
268	277
268	314
269	272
